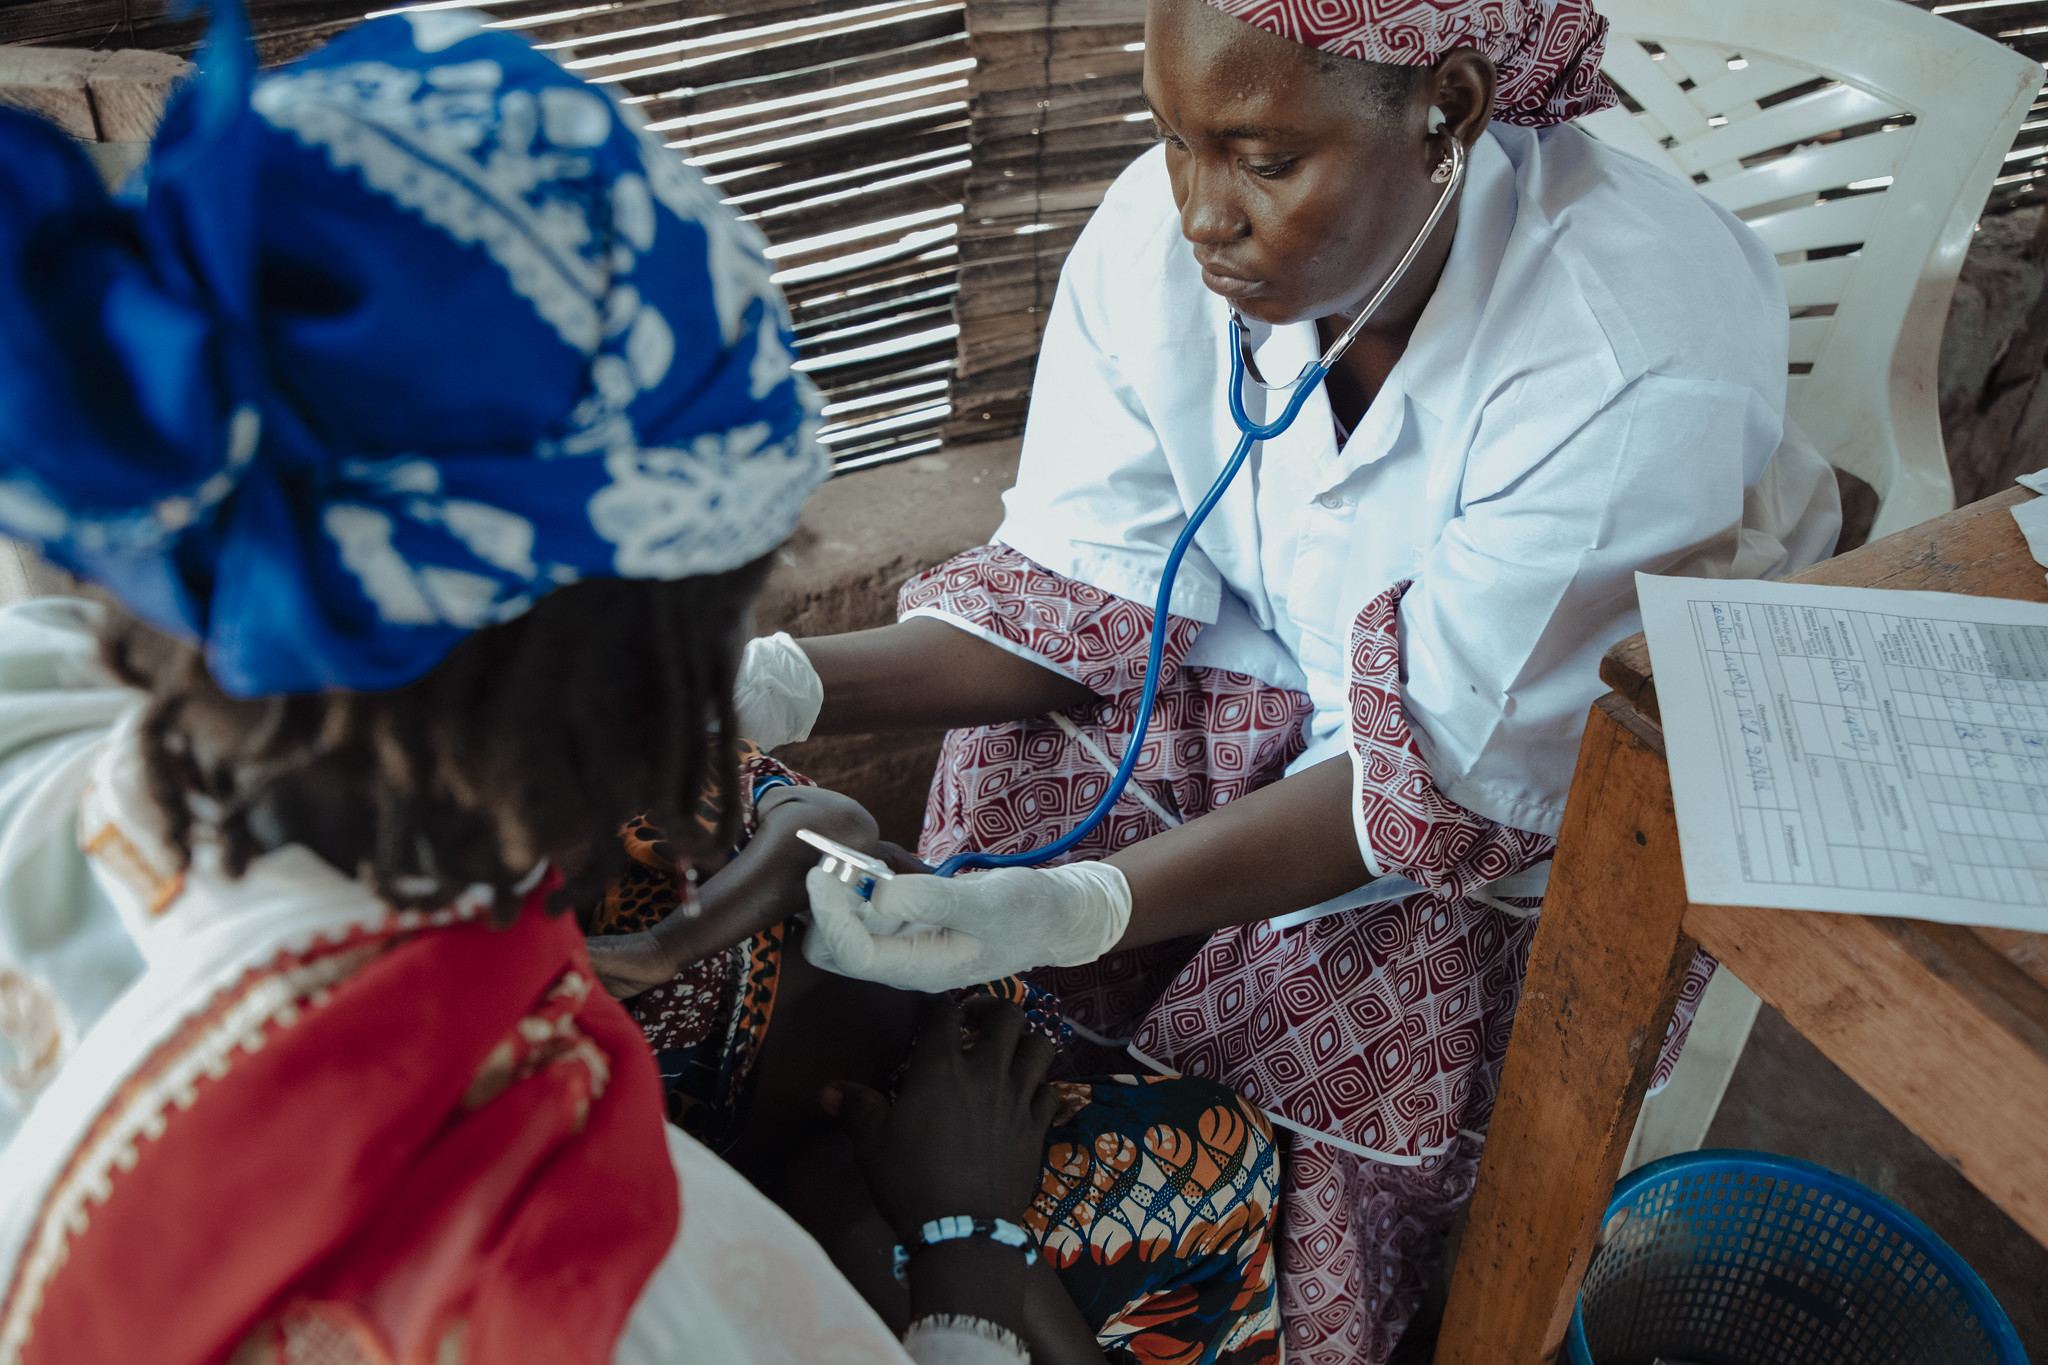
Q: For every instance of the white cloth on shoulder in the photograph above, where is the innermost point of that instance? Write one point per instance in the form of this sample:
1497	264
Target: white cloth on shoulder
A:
64	954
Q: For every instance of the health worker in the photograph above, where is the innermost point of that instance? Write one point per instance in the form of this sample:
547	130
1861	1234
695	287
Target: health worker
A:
1320	888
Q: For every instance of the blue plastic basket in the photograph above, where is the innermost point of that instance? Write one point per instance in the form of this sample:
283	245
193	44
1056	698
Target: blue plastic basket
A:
1745	1258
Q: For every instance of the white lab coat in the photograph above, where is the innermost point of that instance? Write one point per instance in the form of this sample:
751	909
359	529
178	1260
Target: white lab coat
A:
1596	387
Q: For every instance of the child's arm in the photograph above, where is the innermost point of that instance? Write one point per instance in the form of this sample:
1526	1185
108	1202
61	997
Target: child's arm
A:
965	1136
762	886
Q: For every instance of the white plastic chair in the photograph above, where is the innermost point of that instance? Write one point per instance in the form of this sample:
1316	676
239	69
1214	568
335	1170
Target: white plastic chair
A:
1859	138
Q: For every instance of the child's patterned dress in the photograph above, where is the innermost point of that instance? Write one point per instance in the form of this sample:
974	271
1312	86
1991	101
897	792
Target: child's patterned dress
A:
1157	1199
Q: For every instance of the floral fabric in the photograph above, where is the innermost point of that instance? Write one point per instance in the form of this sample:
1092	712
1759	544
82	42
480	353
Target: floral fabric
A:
1156	1206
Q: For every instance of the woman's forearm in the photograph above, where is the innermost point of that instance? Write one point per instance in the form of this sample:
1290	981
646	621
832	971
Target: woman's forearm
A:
926	675
1280	849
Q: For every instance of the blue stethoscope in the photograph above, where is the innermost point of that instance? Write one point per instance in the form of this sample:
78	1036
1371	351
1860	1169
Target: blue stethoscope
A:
1306	383
1250	432
855	867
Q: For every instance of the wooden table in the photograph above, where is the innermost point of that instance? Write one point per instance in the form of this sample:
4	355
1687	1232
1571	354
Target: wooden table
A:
1946	1026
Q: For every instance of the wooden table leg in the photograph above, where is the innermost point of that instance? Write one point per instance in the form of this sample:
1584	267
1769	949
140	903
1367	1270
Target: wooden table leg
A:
1604	976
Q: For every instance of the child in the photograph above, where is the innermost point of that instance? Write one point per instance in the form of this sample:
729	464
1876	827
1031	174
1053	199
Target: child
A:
1155	1205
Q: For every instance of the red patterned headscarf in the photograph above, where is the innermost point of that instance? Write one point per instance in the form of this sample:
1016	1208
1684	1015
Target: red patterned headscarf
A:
1547	52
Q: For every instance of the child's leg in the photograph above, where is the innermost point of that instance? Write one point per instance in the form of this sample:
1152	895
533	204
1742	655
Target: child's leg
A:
825	1028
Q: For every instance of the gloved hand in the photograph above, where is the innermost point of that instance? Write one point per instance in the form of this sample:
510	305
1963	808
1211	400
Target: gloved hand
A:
923	933
777	695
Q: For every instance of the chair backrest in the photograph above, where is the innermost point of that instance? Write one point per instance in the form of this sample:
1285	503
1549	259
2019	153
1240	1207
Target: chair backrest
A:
1859	138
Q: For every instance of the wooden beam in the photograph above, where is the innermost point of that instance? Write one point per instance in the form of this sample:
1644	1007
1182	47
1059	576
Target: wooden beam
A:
2028	952
92	96
1943	1030
1053	89
1604	974
50	83
129	91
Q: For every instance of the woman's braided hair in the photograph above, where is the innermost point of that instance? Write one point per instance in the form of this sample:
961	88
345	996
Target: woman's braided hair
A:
536	738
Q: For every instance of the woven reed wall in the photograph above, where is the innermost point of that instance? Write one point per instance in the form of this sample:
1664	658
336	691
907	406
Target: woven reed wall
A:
839	128
1058	112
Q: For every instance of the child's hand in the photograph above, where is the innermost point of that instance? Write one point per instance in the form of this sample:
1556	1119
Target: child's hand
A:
627	964
966	1134
899	858
785	810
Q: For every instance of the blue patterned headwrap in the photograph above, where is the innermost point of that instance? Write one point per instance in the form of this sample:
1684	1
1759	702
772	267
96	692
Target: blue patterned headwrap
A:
400	337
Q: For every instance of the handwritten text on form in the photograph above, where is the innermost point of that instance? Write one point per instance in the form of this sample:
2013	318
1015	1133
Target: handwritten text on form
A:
1858	750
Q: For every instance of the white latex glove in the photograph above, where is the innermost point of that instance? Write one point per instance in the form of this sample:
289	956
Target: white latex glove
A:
777	696
923	933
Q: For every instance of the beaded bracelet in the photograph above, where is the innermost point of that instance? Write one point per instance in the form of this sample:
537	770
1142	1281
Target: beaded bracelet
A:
768	782
1001	1231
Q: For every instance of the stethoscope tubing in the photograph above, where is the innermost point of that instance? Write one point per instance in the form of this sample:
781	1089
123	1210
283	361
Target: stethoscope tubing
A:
1154	658
1250	432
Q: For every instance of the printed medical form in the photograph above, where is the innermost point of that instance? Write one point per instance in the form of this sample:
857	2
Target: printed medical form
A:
1854	749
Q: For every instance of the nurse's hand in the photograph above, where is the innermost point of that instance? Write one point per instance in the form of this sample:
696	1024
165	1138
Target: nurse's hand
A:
924	933
777	694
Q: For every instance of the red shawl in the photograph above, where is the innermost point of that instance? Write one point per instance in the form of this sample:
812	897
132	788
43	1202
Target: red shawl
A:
436	1146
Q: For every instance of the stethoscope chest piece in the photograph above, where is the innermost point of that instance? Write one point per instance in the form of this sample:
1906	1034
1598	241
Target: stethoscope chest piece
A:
857	870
